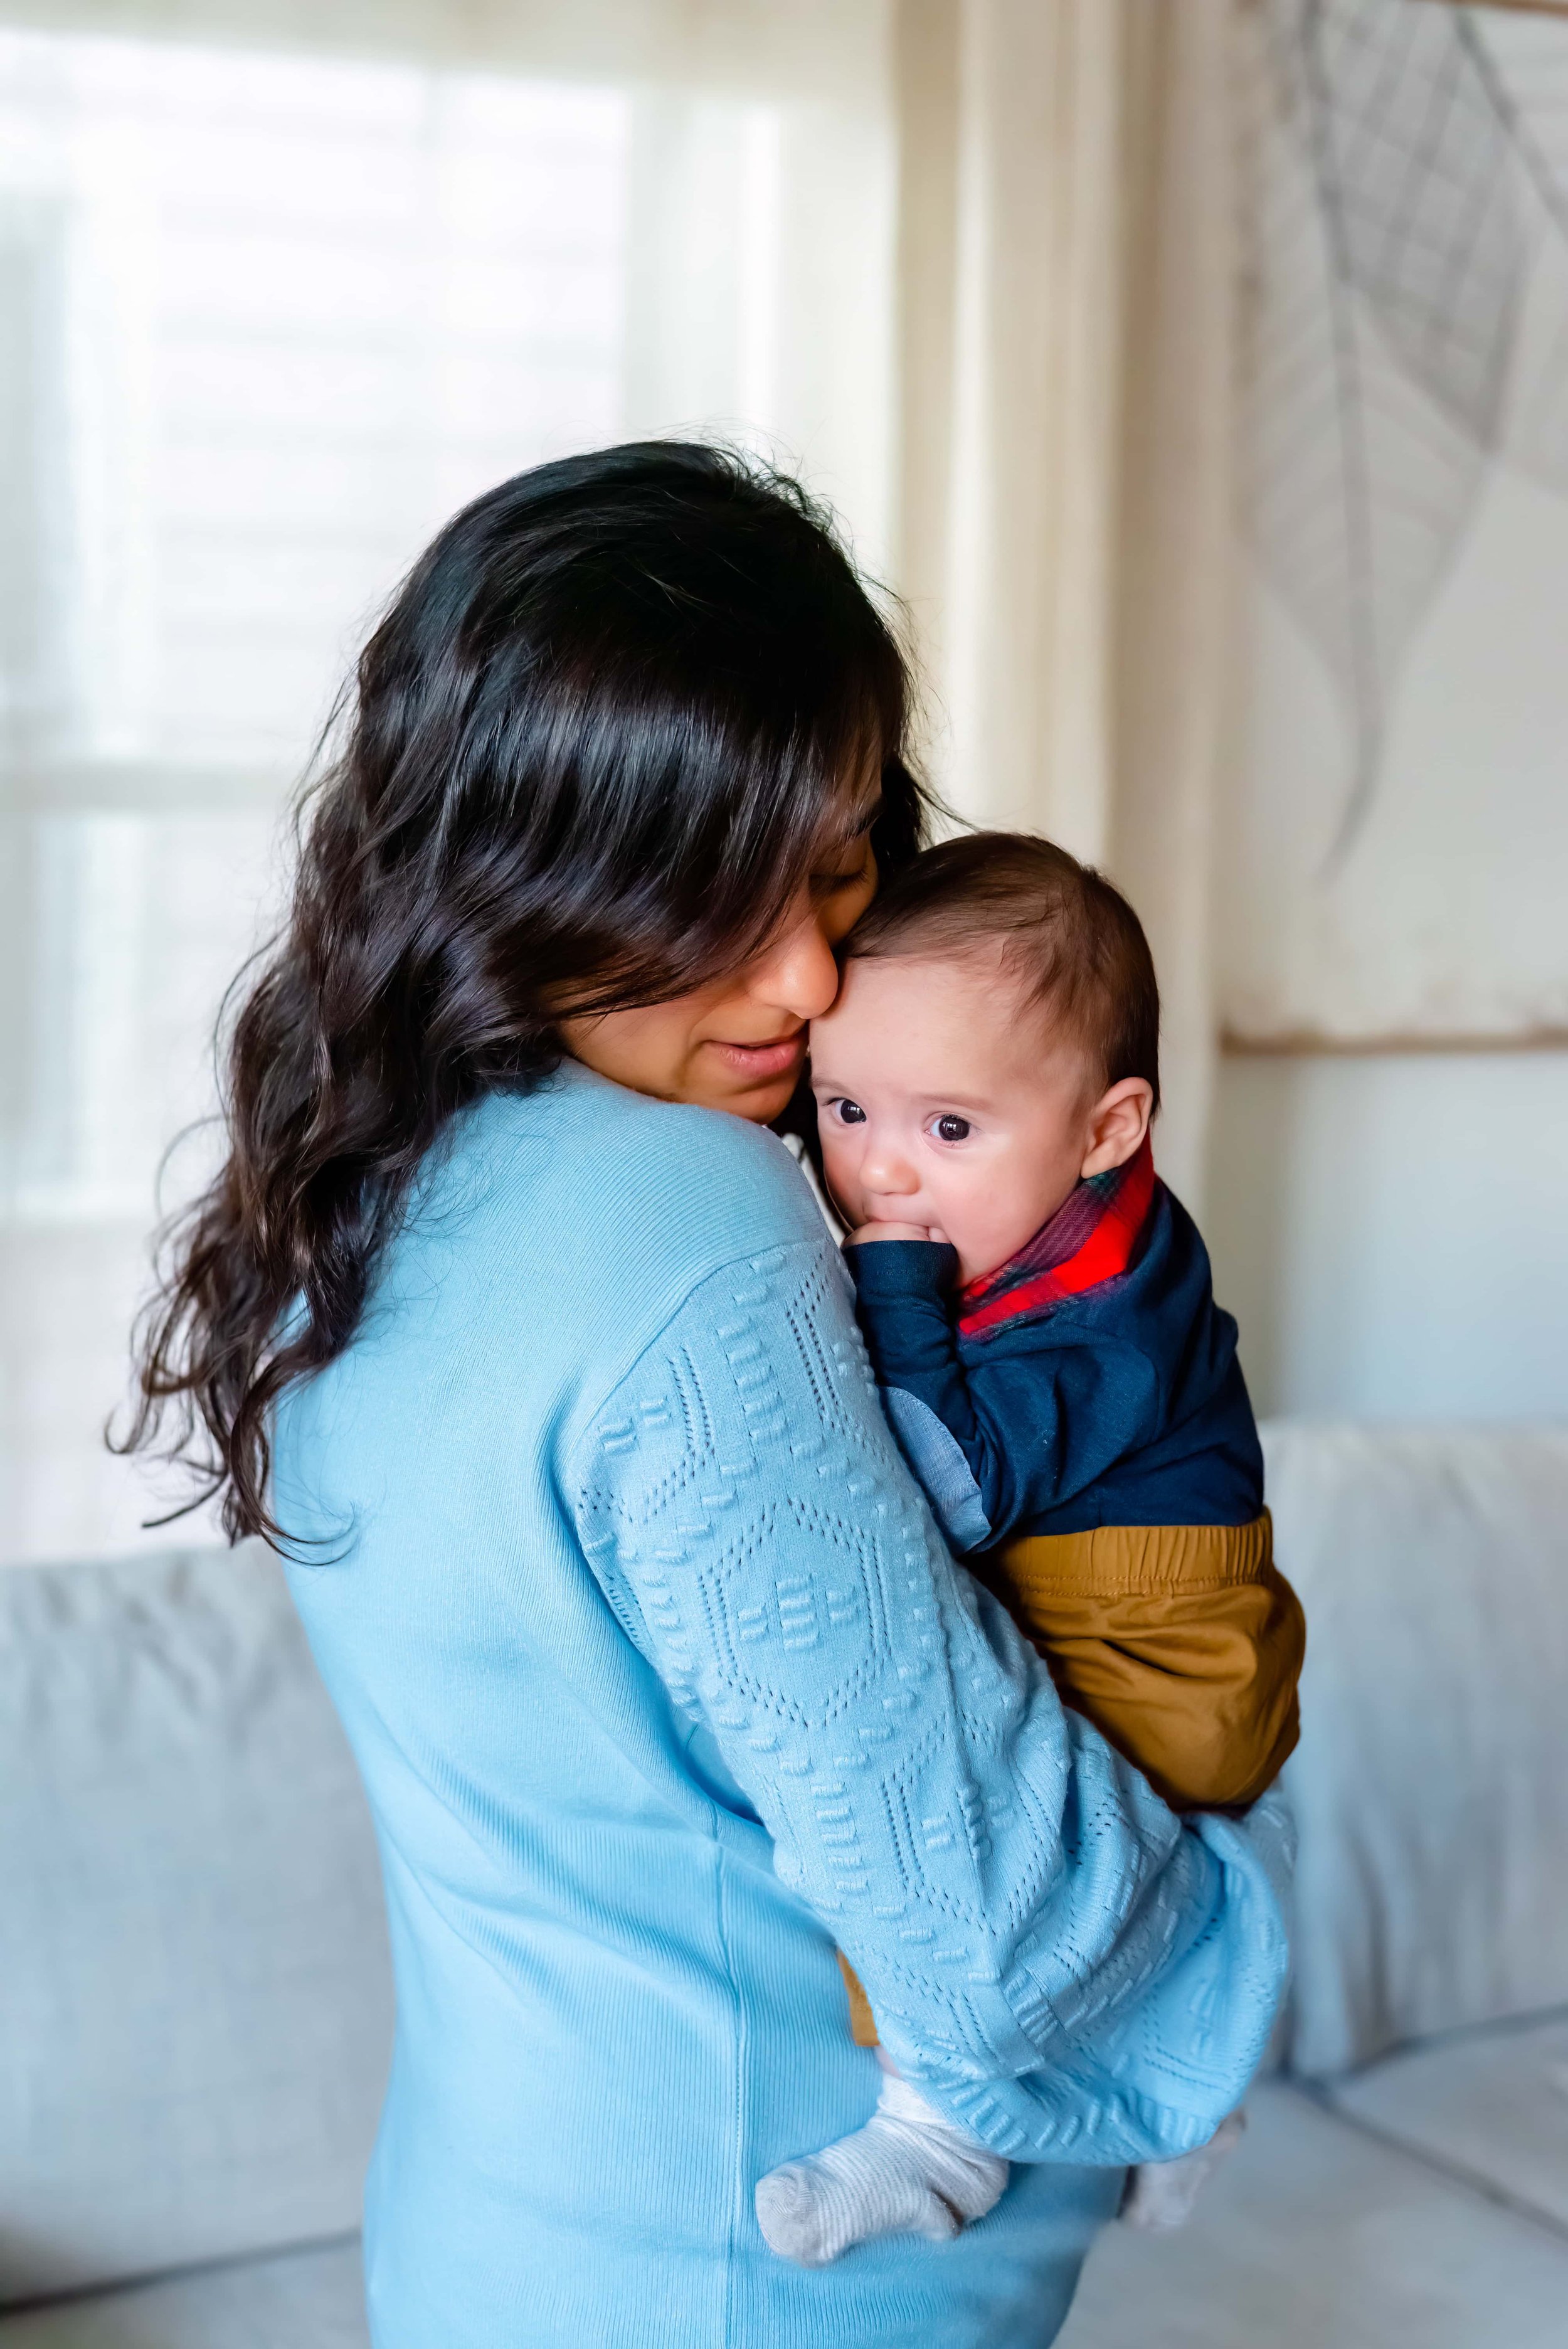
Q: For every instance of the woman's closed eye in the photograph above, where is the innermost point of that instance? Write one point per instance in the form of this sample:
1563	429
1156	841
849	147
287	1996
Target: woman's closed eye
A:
950	1127
852	869
829	884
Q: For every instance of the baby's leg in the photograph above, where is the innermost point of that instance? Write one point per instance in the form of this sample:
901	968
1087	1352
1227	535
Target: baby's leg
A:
908	2172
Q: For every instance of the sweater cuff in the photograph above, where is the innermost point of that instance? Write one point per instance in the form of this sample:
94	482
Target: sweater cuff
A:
890	1271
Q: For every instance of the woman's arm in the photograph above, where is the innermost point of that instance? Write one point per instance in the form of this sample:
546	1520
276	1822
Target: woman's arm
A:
1061	1962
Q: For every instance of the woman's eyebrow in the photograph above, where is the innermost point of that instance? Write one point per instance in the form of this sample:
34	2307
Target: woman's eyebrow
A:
855	827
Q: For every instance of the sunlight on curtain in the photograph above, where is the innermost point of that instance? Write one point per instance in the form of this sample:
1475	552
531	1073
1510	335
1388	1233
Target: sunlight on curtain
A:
265	321
1068	295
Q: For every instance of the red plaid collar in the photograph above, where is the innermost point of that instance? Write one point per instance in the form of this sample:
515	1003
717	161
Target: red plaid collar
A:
1090	1239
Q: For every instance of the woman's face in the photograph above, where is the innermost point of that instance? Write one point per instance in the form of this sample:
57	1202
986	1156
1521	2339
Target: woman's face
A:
739	1045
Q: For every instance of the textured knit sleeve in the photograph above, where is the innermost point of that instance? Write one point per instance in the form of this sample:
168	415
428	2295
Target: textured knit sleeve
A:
1063	1964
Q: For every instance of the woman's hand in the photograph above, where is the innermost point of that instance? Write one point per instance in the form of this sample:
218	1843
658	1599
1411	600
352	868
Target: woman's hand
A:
894	1232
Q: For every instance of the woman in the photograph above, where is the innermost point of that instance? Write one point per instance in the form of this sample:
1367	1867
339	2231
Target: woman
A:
545	1376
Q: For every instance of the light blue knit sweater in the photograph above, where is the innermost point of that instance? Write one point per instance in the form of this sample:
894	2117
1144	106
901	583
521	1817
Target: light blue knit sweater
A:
662	1682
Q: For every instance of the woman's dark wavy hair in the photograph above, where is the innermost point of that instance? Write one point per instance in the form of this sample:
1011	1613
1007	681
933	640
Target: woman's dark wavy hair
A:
591	750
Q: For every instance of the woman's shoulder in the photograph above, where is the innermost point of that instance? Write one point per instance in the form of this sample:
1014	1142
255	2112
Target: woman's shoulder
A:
613	1187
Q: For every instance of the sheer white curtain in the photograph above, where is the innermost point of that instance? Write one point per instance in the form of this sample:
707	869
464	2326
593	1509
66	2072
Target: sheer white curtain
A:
1067	292
279	289
281	284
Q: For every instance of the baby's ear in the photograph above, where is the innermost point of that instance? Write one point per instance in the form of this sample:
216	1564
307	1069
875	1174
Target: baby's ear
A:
1117	1124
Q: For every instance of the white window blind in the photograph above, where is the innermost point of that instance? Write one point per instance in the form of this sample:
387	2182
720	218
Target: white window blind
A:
265	320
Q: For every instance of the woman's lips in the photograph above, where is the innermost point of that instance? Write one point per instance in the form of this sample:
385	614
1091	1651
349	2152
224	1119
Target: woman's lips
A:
759	1061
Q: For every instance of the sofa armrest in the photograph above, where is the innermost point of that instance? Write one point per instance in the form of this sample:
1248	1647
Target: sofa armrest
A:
192	1939
1430	1786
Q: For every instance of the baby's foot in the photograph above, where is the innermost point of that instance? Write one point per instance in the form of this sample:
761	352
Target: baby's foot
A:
907	2172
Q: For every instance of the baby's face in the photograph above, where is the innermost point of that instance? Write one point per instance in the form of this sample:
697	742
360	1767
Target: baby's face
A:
945	1102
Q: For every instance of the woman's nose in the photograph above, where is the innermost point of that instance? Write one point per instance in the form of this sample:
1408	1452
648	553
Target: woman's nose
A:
798	973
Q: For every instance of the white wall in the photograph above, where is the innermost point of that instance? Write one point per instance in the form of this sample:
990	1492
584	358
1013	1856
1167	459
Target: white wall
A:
1392	1230
1392	1235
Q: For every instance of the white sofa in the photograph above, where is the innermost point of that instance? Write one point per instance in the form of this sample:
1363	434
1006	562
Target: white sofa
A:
1403	2181
197	2002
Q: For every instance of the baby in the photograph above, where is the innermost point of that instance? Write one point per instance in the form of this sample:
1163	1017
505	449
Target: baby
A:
1039	1313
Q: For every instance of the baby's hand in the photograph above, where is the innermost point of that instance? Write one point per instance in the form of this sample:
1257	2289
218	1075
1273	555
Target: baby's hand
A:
893	1232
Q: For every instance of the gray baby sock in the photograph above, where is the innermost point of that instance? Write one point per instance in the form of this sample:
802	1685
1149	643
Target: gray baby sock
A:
907	2172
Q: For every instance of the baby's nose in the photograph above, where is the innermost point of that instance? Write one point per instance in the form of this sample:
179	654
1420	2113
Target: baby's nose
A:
886	1169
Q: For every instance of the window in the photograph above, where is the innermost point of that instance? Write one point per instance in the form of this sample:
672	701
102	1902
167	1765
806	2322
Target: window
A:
265	321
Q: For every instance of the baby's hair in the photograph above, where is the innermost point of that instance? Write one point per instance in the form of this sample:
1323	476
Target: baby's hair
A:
1074	940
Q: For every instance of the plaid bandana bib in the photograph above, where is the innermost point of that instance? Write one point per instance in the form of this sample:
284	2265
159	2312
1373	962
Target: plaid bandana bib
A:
1090	1239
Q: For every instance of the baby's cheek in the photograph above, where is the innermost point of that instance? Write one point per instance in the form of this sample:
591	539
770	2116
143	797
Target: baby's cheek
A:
970	1214
956	1194
838	1165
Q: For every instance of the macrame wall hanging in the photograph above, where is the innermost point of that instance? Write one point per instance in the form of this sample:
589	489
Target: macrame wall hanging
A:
1405	224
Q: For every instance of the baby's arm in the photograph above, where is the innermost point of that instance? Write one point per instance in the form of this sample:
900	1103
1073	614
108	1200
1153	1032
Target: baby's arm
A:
1183	1644
995	1443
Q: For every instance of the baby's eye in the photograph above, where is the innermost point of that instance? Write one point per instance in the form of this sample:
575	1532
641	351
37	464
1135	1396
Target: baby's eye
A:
848	1112
950	1127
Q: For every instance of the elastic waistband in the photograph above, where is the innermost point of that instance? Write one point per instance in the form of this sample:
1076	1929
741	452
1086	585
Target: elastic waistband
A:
1129	1561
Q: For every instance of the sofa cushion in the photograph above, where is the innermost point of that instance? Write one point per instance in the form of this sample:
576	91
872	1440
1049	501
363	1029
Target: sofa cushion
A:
310	2299
1430	1786
1492	2105
197	1995
1314	2236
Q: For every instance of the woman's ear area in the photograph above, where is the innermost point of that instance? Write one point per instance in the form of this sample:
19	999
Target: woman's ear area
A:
1117	1125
